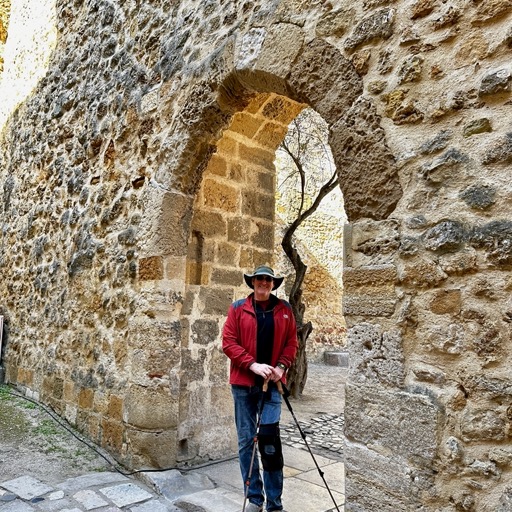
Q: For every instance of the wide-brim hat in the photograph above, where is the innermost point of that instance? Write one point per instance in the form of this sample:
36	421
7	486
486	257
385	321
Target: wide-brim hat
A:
263	270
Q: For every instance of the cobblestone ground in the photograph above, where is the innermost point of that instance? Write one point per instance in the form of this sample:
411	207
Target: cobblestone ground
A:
319	412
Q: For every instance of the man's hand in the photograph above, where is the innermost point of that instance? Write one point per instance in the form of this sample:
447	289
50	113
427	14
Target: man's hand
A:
263	370
277	374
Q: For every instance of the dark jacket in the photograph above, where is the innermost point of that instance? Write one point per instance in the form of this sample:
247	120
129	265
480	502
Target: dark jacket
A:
239	339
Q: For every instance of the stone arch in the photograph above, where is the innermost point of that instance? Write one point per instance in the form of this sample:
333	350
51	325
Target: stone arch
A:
233	182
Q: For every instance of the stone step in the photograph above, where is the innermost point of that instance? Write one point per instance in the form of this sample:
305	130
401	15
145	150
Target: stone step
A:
336	358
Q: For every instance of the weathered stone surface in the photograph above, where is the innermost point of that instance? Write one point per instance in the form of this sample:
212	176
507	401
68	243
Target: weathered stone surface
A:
449	339
477	126
375	356
496	238
491	9
483	425
420	271
445	166
446	302
151	268
406	426
377	241
400	110
449	17
335	23
505	504
479	197
460	262
438	143
496	82
321	88
500	151
410	71
448	235
376	26
150	408
159	449
376	482
204	332
422	8
358	145
502	456
377	86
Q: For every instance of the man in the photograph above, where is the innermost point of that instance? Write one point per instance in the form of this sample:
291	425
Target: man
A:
260	339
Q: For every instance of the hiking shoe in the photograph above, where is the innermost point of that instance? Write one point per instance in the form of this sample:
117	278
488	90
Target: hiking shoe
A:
252	507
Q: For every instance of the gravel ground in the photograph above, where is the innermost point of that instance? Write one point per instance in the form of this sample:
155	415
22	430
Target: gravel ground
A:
33	443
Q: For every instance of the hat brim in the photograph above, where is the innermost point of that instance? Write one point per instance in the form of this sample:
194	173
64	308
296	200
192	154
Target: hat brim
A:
278	280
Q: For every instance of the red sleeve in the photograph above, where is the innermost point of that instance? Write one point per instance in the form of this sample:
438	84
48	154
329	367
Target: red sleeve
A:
231	340
291	344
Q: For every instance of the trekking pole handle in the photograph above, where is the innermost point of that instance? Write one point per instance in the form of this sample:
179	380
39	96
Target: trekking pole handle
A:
265	385
280	387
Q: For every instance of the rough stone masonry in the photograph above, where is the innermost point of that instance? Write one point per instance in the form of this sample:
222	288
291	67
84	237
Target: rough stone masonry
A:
137	182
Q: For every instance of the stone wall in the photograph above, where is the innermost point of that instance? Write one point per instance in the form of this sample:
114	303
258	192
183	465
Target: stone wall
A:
129	211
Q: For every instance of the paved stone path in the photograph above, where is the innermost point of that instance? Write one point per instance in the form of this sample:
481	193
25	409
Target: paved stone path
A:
324	435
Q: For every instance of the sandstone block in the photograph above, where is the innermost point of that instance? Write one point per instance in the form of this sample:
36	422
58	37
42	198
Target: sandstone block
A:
375	240
446	302
227	254
418	271
153	449
216	300
226	277
322	90
375	357
150	408
151	268
257	156
369	305
239	230
365	164
483	425
217	166
85	398
245	124
220	196
173	225
375	276
258	205
112	435
209	224
406	425
378	482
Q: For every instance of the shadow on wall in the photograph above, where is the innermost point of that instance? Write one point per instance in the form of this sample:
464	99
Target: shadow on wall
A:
29	43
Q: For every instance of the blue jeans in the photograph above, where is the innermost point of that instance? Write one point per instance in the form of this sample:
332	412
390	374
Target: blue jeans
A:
247	405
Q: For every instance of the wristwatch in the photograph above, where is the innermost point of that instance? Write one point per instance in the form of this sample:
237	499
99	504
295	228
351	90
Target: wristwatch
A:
282	366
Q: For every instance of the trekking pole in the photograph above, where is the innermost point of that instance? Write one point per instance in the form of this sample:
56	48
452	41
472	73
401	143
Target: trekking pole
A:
255	440
285	393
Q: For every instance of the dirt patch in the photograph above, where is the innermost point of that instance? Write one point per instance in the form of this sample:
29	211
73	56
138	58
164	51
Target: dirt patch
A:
33	443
